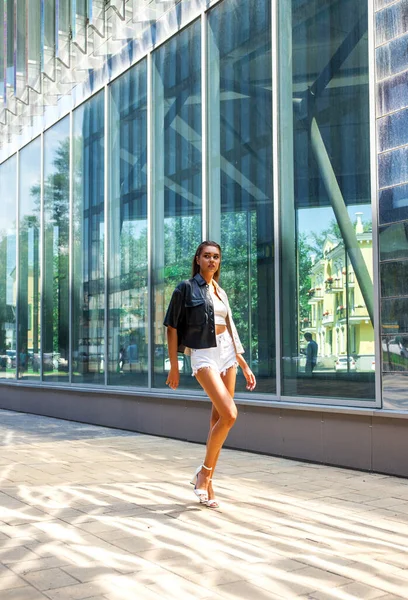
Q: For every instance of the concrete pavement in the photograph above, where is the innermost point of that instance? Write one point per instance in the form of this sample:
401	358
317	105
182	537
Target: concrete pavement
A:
90	513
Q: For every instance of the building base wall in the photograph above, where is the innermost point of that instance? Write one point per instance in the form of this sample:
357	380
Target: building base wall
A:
372	441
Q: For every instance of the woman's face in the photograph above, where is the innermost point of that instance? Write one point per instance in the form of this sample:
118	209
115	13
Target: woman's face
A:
209	260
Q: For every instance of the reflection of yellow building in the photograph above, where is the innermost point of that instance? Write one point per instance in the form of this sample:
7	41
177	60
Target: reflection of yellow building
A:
338	319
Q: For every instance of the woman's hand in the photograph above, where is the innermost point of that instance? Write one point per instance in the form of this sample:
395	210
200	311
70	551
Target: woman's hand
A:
173	378
250	378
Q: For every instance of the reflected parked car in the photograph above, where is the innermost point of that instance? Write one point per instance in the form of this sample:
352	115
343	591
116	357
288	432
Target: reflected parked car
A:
81	362
50	361
180	363
11	359
396	346
341	364
63	364
34	360
300	359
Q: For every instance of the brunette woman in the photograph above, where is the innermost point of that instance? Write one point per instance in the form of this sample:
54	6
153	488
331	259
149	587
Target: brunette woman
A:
199	322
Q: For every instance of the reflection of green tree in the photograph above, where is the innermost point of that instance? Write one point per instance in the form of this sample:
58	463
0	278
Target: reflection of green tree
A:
239	275
304	251
239	264
3	290
316	240
181	238
133	285
29	264
133	257
5	309
56	251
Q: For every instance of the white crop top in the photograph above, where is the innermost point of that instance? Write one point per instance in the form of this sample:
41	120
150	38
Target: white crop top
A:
220	310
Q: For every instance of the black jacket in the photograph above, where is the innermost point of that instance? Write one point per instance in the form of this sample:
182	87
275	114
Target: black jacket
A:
191	312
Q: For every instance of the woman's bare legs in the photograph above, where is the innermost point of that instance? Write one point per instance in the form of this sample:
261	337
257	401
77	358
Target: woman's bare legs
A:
220	390
229	380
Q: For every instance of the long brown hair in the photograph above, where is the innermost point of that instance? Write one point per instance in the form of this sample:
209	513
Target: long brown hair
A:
195	267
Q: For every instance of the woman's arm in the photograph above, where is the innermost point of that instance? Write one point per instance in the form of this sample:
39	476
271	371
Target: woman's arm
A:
249	376
173	377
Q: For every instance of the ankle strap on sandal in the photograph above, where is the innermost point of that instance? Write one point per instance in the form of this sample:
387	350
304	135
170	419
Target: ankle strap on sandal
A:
208	468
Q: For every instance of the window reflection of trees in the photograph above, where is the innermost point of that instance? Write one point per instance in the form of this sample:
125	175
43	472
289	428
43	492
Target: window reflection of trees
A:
56	258
177	218
8	270
28	342
88	294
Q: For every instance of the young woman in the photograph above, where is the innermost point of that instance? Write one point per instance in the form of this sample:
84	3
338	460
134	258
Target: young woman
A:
199	322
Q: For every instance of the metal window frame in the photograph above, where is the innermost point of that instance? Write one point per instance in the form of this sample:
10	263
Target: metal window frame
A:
17	262
149	142
374	200
106	201
276	192
71	241
204	130
42	260
350	402
8	371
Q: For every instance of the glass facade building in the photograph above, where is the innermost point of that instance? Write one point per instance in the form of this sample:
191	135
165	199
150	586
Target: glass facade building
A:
278	128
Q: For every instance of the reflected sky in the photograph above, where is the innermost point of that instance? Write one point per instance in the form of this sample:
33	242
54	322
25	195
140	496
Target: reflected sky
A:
319	219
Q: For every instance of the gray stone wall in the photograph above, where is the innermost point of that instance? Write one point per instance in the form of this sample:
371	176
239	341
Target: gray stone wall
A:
391	57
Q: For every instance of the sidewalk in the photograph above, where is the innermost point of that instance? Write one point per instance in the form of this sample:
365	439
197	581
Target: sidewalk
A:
99	514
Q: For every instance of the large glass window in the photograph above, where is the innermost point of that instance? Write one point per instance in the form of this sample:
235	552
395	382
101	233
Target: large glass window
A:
28	346
55	342
128	297
326	224
240	174
155	166
177	181
88	294
8	276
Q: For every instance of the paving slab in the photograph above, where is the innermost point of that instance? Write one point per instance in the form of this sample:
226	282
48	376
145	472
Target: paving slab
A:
93	513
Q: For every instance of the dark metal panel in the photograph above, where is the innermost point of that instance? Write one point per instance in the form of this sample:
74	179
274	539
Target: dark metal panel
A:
394	278
165	418
394	315
392	94
263	429
393	129
341	439
390	446
302	435
394	241
391	21
194	422
381	3
347	440
393	167
391	58
149	417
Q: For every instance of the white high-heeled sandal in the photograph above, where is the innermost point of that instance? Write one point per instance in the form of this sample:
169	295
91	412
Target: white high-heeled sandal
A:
202	494
212	503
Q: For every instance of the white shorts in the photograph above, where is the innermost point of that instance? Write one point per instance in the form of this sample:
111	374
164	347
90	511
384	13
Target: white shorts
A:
220	358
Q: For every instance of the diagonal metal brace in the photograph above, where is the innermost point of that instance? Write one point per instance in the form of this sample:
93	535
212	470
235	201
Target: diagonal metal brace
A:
121	16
